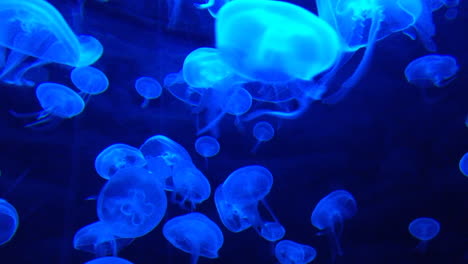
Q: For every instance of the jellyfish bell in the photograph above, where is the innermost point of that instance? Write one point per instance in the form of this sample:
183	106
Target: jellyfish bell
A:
191	185
207	146
89	80
263	132
9	221
116	157
289	252
149	88
424	229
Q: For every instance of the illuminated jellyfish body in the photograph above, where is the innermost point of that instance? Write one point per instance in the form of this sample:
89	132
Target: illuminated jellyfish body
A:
109	260
237	202
263	132
213	6
89	80
57	101
116	157
97	238
463	165
149	88
330	213
424	229
190	185
207	146
452	10
131	203
35	29
290	252
195	234
9	221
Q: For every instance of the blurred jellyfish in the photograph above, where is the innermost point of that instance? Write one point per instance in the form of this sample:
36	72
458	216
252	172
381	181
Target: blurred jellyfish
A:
330	213
131	203
36	29
195	234
263	132
290	252
213	6
9	221
149	88
89	80
57	101
463	165
97	238
109	260
190	185
116	157
207	146
424	229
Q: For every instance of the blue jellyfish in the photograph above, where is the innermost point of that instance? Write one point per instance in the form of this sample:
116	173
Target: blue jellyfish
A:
175	85
149	88
263	132
97	238
207	146
109	260
424	229
213	6
463	165
330	213
36	29
116	157
195	234
131	203
57	101
290	252
89	80
9	221
190	185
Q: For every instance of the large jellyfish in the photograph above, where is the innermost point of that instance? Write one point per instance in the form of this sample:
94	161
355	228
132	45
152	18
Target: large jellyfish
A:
290	252
109	260
195	234
116	157
330	213
9	221
36	29
424	229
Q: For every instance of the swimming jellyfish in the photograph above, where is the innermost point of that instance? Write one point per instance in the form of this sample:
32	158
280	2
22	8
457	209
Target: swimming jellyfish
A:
207	146
196	234
190	185
109	260
149	88
263	132
463	165
116	157
9	221
89	80
290	252
424	229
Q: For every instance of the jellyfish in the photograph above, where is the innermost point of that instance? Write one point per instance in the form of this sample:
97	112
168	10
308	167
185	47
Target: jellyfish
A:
213	6
57	101
175	85
263	132
424	229
191	185
89	80
463	165
98	239
290	252
109	260
36	29
9	221
196	234
149	88
118	156
131	203
207	146
330	213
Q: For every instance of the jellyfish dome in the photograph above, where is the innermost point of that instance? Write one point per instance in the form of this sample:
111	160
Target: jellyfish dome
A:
109	260
89	80
424	228
207	146
9	221
248	184
263	131
168	149
274	41
463	165
59	100
116	157
195	234
149	88
290	252
232	214
434	69
191	185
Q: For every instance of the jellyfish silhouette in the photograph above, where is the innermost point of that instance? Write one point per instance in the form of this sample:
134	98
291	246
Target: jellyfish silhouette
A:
330	213
149	88
89	80
97	238
191	185
263	132
290	252
57	101
424	229
36	29
195	234
9	221
131	203
109	260
463	165
116	157
207	146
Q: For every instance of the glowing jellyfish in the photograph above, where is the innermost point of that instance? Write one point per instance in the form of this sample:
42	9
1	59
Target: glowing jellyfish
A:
57	101
463	165
290	252
116	157
89	80
131	203
36	29
149	88
330	213
424	229
9	221
191	185
263	132
195	234
109	260
98	239
207	146
175	84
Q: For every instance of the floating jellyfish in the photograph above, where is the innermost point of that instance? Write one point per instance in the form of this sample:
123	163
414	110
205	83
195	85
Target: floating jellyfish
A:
207	146
213	6
89	80
263	132
116	157
175	84
36	29
463	165
191	185
290	252
109	260
57	101
195	234
9	221
424	229
330	213
131	203
149	88
98	239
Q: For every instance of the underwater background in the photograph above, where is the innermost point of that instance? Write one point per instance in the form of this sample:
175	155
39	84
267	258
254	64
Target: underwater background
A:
397	153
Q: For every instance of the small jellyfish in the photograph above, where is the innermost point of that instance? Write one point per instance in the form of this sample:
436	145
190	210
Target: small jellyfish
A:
330	213
57	101
195	234
191	185
109	260
263	132
463	165
290	252
9	221
424	229
116	157
207	146
89	80
149	88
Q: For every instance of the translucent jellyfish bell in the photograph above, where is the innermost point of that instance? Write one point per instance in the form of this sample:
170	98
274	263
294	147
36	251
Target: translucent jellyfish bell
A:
290	252
463	165
424	229
109	260
207	146
330	213
263	132
149	88
132	202
89	80
191	185
195	234
9	221
116	157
